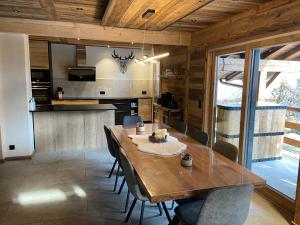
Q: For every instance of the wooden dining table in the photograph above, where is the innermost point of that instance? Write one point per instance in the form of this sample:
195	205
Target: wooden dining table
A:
163	178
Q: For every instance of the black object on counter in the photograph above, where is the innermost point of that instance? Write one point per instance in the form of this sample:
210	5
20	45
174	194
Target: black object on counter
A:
167	100
49	108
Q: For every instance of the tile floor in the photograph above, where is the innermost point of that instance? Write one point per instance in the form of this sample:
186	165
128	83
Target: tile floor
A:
73	189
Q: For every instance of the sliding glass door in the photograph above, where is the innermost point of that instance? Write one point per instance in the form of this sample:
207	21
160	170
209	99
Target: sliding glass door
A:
228	97
273	134
257	109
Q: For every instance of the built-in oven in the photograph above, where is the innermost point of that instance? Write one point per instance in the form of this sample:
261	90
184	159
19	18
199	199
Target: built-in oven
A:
41	86
41	91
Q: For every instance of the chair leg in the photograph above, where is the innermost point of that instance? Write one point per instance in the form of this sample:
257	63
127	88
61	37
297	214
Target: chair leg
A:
172	206
127	201
117	177
159	208
130	210
142	213
121	187
166	211
112	169
175	221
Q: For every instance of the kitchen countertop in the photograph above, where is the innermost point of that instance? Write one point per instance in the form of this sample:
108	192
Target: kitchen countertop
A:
57	108
103	97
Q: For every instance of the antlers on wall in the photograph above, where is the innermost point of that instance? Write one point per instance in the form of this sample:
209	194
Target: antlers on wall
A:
123	61
116	56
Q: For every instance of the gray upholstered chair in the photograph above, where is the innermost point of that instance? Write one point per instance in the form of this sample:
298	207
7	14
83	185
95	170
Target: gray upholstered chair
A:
200	136
116	147
226	149
136	189
224	206
131	120
110	148
181	127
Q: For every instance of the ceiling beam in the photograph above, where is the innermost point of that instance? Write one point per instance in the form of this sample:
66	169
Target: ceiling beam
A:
281	51
293	54
260	23
92	32
73	41
128	13
114	11
49	8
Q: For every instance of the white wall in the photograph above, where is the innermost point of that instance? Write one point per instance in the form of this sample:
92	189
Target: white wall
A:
108	76
15	93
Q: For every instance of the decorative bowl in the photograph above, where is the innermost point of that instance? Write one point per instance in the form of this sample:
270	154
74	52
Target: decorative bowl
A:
154	139
186	160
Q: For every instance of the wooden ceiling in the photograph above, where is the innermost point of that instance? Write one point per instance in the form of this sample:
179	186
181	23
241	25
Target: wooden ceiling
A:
178	15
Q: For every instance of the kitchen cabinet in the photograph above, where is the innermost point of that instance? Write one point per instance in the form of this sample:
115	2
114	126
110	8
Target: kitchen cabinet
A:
39	56
145	109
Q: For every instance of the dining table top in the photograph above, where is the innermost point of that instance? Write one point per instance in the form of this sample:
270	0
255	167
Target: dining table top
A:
163	178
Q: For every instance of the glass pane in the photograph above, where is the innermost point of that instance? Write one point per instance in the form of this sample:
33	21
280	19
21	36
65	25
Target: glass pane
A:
275	152
229	89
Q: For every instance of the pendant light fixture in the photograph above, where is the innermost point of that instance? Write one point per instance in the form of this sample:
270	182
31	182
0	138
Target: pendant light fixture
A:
153	59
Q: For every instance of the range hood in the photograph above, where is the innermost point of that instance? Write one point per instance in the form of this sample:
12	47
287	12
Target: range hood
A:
81	72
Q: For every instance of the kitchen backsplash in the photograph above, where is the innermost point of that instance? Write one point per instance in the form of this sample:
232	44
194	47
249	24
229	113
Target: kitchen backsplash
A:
112	88
109	79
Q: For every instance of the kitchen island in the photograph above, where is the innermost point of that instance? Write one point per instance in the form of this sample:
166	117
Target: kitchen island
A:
71	127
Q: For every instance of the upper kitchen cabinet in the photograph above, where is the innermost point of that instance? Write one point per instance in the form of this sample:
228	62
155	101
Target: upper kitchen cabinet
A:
39	57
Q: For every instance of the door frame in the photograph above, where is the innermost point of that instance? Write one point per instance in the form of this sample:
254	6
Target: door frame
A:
293	206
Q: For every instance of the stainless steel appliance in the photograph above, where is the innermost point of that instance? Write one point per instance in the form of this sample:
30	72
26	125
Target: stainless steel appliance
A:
41	86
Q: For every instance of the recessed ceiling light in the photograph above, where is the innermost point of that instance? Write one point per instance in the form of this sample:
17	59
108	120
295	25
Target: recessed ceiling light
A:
148	13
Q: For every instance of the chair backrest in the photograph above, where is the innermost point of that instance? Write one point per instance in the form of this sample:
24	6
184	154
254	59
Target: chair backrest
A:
226	149
109	141
200	136
181	127
131	179
131	120
226	206
116	147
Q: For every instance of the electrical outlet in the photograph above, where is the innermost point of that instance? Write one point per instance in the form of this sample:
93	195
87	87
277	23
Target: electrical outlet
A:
144	92
11	147
102	92
199	104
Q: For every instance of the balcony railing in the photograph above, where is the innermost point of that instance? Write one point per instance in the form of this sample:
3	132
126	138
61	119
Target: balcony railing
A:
292	138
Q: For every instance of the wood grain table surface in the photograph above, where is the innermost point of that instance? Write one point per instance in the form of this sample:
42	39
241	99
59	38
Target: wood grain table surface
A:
165	179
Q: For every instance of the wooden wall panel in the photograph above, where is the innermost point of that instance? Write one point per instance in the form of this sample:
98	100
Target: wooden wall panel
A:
196	88
190	90
177	62
270	19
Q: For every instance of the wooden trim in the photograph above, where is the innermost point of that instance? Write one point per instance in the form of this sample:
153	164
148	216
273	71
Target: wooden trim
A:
210	85
206	98
18	158
297	201
211	96
279	199
291	141
92	32
25	157
245	105
292	125
293	109
187	86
